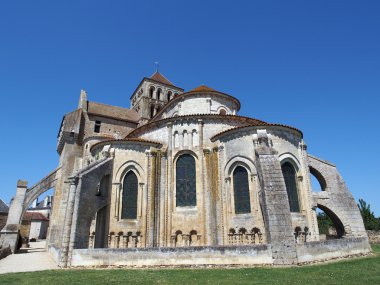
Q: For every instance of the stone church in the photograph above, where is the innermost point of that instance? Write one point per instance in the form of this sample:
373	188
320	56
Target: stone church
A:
180	178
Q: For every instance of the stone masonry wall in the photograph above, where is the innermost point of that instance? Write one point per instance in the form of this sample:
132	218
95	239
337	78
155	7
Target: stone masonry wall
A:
331	249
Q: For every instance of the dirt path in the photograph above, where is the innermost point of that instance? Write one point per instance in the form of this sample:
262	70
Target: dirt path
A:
34	258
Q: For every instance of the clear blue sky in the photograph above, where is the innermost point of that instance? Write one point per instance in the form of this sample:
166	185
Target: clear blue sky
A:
314	65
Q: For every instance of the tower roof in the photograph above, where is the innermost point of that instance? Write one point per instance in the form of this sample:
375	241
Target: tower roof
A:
160	78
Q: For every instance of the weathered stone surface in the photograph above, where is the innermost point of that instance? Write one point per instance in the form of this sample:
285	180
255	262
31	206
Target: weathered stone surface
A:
99	144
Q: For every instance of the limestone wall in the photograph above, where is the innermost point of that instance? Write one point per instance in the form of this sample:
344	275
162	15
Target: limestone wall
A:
200	104
188	256
332	249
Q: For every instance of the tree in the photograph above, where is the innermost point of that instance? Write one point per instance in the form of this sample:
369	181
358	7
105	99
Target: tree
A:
369	219
324	223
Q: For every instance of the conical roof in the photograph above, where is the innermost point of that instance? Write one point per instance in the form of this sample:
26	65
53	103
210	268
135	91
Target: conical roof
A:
160	78
202	88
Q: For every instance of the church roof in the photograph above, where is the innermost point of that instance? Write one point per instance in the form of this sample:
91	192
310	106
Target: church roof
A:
240	128
203	88
34	216
113	112
3	207
125	140
160	78
246	121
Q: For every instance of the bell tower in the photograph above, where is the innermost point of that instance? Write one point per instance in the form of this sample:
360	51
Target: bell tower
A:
152	94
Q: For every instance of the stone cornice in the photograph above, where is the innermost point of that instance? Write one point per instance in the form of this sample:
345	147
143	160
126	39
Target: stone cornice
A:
243	128
126	141
203	117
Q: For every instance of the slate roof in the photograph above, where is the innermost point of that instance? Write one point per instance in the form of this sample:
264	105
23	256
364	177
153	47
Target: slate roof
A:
114	112
3	207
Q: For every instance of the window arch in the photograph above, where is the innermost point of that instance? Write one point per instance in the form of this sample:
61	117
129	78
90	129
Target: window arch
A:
169	96
290	177
159	91
130	189
152	111
241	191
185	181
222	112
151	91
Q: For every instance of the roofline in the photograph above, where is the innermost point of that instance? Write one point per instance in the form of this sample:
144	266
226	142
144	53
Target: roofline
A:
109	117
126	140
114	118
218	116
196	92
155	81
232	130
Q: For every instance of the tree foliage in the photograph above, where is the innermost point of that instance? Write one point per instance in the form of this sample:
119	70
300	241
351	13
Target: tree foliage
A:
369	219
324	223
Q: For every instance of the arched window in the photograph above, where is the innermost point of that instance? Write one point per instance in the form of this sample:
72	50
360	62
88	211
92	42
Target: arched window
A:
241	191
152	111
185	181
129	207
290	178
159	91
169	96
222	112
151	91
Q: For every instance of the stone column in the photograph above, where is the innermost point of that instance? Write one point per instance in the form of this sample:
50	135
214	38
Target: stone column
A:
9	234
170	183
274	201
307	194
73	181
117	186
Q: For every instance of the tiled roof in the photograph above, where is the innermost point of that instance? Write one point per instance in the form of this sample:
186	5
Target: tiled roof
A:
34	216
160	78
215	137
137	140
3	207
203	88
114	112
246	120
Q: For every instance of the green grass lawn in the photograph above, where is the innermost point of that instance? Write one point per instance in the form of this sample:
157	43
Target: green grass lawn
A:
357	271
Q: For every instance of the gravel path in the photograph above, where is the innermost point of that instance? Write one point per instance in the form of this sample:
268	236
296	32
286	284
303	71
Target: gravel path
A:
34	258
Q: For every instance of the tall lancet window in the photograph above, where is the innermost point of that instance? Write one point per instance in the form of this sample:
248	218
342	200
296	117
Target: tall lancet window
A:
185	181
290	177
129	204
241	191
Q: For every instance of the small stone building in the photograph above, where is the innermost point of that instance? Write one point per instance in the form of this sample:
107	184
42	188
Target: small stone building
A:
180	178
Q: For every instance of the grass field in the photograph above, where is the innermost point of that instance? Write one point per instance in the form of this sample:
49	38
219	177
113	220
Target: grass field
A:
357	271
